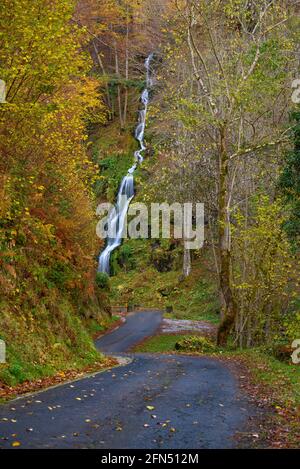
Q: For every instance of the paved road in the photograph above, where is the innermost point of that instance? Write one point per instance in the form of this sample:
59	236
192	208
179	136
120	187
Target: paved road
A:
156	401
136	328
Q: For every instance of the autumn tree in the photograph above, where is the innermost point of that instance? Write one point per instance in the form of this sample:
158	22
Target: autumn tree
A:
47	226
241	62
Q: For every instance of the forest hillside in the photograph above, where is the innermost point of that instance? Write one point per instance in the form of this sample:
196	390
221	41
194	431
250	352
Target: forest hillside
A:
217	84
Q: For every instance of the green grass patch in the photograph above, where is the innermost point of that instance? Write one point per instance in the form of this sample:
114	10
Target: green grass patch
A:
181	343
159	343
95	327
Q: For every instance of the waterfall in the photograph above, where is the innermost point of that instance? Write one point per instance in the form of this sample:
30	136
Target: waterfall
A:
117	216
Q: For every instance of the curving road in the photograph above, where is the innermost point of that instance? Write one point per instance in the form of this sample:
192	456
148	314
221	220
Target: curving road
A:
137	327
155	401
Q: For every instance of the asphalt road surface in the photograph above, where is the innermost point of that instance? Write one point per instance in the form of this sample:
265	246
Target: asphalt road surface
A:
137	327
155	401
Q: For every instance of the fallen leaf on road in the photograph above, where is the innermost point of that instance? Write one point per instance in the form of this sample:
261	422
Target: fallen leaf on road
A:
150	407
15	444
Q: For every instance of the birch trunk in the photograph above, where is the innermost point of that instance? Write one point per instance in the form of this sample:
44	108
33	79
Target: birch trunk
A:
186	261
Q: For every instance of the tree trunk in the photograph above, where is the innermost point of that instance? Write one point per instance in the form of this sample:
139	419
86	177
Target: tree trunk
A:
186	262
229	308
100	63
126	71
119	88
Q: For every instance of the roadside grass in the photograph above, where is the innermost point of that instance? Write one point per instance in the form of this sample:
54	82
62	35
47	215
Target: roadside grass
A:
282	377
51	347
60	363
94	327
159	344
18	371
51	377
277	383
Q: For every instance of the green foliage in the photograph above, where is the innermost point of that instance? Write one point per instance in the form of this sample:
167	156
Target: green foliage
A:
195	344
289	183
263	270
95	327
46	41
112	171
44	340
123	258
102	280
281	377
192	298
60	274
291	322
114	82
126	256
269	75
180	342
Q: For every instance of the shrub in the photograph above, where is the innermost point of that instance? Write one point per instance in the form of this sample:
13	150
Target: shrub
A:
126	257
102	280
195	344
59	274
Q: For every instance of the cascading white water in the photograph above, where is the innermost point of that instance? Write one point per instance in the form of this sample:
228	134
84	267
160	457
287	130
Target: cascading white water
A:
116	218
